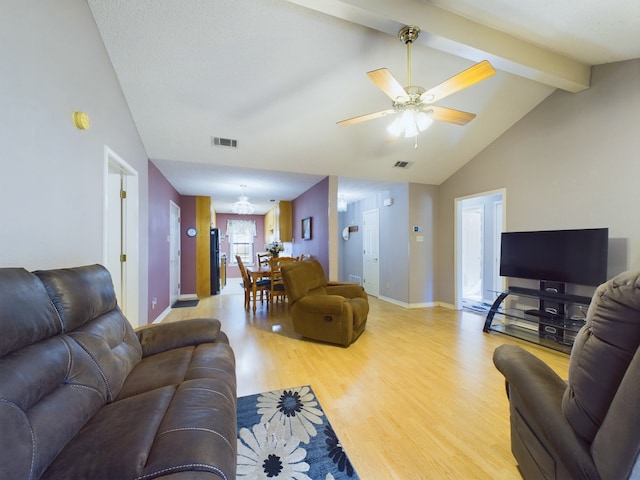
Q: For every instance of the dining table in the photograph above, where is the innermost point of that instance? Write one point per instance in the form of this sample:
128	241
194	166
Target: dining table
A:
257	272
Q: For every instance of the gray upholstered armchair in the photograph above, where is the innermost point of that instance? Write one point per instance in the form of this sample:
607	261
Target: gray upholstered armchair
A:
332	312
588	427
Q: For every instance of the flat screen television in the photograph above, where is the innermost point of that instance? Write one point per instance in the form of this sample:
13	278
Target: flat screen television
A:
567	256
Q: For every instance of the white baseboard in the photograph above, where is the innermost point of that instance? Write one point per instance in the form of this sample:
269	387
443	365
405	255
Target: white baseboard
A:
188	296
160	317
416	305
450	306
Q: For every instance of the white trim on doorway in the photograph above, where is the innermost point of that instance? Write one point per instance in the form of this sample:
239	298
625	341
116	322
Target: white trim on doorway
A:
124	210
459	203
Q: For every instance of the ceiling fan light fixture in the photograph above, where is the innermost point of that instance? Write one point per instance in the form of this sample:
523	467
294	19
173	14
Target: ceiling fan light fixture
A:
423	121
411	101
409	123
395	129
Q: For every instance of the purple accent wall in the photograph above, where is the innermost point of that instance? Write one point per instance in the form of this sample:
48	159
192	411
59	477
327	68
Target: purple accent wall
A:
160	193
188	246
221	223
313	203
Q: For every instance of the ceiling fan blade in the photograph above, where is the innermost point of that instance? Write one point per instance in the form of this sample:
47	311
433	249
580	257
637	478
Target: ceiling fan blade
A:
364	118
449	115
470	76
387	83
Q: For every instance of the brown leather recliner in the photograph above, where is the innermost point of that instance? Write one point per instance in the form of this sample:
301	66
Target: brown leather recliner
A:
332	312
588	427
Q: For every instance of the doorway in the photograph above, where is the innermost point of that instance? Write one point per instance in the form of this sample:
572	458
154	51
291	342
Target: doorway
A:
480	220
174	252
120	231
371	252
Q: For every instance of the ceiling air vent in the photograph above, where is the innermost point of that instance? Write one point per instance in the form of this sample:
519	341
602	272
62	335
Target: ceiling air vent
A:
224	142
400	164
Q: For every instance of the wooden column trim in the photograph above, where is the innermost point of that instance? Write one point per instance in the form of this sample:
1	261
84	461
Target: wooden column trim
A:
203	247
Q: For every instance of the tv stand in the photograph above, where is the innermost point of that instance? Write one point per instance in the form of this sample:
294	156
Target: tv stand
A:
553	324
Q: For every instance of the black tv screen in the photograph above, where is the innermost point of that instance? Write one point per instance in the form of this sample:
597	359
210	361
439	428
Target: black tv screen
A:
568	256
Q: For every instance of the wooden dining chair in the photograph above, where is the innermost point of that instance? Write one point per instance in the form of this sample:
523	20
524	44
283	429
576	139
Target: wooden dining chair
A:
276	287
262	286
263	258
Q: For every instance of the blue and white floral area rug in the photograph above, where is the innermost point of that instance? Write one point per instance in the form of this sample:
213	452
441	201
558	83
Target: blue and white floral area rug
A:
285	435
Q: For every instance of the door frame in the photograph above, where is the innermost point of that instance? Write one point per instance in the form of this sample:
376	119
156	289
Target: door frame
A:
174	251
129	235
457	263
365	215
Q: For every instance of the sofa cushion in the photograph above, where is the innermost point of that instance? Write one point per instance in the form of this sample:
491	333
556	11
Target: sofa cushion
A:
602	352
86	302
111	445
189	427
211	360
47	392
79	294
27	315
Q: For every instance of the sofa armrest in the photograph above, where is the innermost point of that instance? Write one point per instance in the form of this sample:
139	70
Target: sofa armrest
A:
323	304
535	392
166	336
348	290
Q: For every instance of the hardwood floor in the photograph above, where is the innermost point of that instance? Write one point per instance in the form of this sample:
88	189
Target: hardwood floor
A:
416	397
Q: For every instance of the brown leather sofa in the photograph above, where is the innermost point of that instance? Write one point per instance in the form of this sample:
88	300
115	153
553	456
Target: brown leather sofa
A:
588	427
332	312
84	396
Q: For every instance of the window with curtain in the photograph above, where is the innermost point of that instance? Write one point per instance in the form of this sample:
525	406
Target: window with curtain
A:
241	234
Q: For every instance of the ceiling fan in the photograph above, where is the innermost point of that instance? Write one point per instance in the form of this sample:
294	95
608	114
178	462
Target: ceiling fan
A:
414	103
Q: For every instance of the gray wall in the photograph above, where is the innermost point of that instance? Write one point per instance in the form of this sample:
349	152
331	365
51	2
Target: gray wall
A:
53	62
573	162
422	208
406	265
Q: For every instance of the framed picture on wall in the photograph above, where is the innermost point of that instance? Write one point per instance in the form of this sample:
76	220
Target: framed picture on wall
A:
306	228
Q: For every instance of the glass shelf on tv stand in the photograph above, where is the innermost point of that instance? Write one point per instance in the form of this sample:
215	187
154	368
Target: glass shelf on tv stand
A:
533	325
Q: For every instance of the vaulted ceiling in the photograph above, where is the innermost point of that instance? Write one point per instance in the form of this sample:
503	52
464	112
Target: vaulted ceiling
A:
277	75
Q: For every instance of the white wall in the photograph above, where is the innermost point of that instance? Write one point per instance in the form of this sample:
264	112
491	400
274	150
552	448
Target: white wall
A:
53	62
573	162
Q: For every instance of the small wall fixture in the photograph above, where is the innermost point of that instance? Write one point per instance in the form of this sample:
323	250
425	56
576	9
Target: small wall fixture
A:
81	120
342	203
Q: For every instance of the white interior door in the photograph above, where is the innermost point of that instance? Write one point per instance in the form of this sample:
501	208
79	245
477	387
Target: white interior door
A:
120	232
472	252
371	252
174	252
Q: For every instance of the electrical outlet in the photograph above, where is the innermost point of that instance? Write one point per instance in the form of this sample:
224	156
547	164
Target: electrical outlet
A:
154	300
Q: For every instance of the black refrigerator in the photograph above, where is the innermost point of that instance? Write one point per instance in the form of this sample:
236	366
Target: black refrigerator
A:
215	261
